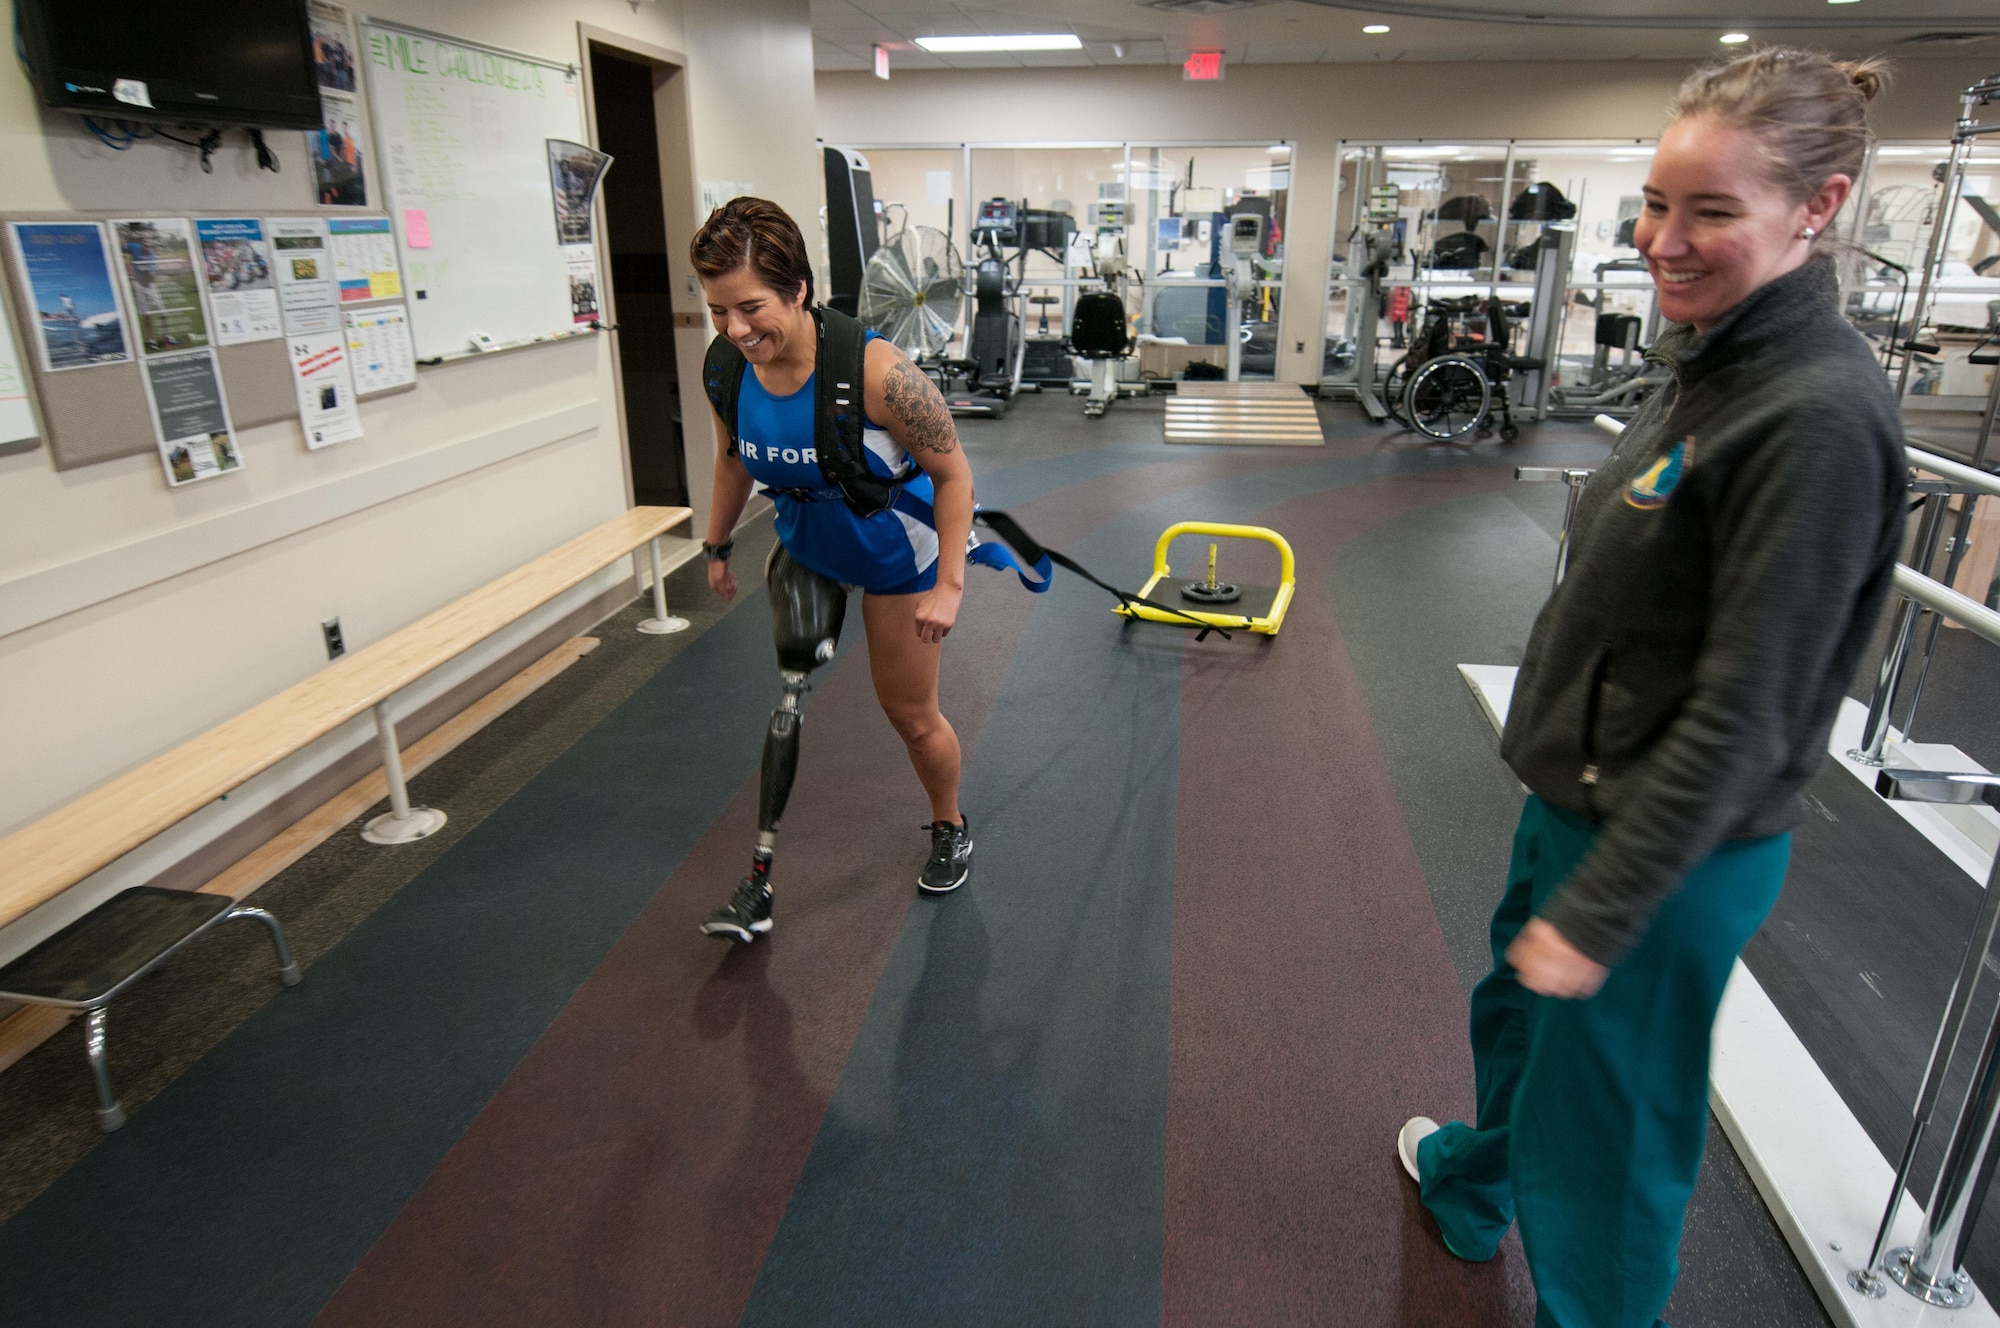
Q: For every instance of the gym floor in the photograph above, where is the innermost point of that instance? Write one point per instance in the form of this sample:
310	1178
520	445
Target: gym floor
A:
1147	1066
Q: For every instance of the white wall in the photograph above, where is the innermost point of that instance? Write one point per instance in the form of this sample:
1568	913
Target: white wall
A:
1313	106
134	616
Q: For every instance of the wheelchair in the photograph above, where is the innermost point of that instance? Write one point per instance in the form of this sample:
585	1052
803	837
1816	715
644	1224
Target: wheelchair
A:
1454	379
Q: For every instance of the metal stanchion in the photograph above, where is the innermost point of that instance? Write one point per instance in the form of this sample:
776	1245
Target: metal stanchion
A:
662	622
1931	1269
1875	729
1574	477
402	823
1978	947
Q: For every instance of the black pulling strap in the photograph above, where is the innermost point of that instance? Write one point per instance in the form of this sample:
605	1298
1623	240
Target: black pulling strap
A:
1033	552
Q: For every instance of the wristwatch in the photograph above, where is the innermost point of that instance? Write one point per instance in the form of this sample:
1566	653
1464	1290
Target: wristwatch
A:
717	553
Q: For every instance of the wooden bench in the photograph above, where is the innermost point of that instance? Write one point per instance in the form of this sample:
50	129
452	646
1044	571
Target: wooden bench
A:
101	954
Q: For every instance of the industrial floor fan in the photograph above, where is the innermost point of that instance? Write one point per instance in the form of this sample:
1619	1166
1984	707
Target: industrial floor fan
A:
912	291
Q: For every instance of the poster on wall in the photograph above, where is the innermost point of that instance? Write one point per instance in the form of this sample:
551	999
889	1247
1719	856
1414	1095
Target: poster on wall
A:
236	263
364	258
158	257
326	389
17	413
582	264
333	47
78	320
190	417
379	349
304	270
575	171
334	151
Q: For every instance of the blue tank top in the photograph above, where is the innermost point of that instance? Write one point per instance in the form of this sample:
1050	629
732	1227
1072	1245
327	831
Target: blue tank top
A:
890	553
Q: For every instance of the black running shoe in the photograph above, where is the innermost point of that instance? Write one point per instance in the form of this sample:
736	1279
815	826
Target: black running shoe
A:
951	858
746	916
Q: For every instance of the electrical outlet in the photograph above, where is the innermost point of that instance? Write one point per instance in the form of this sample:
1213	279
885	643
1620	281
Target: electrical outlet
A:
1299	346
336	645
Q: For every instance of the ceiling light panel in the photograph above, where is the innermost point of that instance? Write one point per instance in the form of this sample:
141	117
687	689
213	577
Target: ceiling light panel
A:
1198	7
1027	41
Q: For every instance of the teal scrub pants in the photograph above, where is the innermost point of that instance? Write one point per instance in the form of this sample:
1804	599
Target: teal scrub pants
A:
1593	1113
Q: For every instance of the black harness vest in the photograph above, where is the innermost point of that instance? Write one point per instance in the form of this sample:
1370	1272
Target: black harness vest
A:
837	410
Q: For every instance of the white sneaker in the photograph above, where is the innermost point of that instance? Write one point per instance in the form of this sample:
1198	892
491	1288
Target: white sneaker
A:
1415	1130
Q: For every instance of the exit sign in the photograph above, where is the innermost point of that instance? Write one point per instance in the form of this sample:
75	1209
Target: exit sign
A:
1203	67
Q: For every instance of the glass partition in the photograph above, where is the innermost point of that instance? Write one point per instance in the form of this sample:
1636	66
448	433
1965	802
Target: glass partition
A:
920	187
1902	202
1182	219
1450	226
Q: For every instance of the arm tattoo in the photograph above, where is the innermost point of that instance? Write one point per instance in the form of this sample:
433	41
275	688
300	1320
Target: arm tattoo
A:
913	399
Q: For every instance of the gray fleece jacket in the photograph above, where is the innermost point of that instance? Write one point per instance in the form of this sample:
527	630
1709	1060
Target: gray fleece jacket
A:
1727	564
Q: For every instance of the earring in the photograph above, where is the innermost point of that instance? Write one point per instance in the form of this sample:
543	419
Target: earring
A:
1808	233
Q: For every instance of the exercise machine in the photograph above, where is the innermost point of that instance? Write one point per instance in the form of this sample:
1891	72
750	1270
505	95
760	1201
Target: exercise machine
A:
984	380
853	227
1046	359
1374	244
1099	331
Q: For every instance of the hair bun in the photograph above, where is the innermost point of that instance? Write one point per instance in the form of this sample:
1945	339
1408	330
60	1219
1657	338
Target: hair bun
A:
1869	77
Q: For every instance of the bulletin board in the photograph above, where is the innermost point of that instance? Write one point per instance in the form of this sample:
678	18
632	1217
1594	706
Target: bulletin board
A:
462	132
101	413
98	414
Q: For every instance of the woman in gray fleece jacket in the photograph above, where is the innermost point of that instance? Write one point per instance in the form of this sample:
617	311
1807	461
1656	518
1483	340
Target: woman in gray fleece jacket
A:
1727	566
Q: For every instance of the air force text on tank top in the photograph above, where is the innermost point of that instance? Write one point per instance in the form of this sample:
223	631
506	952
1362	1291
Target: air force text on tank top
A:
890	553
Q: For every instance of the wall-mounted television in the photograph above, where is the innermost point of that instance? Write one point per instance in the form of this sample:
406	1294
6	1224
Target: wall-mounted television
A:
217	62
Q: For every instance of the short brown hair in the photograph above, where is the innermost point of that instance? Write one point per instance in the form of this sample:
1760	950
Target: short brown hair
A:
1807	111
758	234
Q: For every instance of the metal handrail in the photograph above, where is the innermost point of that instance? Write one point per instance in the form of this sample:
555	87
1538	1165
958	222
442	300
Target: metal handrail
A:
1970	477
1948	603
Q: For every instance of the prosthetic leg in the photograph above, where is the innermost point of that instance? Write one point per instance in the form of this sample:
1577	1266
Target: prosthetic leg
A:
806	614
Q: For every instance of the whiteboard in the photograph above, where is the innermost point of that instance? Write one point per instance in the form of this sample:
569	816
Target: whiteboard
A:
461	131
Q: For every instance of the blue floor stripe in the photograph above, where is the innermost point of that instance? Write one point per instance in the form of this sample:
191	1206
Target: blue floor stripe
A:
246	1191
994	1150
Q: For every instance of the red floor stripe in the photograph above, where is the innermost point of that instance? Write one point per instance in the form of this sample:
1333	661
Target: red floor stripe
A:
1315	1006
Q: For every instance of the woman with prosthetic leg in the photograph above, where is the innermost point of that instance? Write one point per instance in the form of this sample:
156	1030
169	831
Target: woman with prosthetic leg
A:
854	446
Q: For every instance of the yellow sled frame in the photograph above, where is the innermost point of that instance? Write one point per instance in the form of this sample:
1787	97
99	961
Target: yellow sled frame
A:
1267	624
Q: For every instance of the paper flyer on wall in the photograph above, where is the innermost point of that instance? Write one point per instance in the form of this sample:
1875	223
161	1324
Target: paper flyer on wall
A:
326	389
157	254
340	177
379	349
582	264
236	262
574	173
332	46
304	270
79	321
190	417
17	413
364	258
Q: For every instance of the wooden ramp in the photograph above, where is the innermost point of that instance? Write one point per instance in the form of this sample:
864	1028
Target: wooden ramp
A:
1252	414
